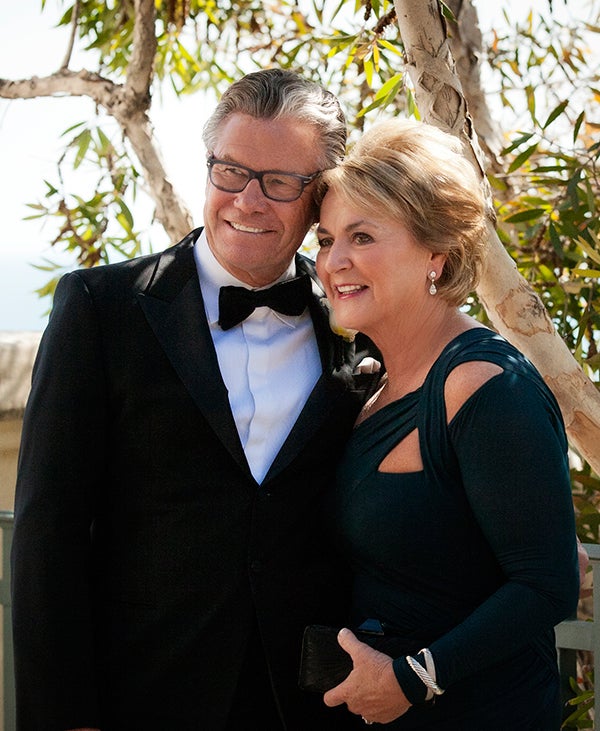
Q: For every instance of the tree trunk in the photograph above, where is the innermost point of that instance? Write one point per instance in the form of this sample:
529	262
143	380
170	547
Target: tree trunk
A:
466	48
513	307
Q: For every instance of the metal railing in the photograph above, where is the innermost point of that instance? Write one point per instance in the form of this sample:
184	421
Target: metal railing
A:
571	635
578	634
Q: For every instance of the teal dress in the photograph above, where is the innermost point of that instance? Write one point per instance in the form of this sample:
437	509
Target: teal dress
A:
474	556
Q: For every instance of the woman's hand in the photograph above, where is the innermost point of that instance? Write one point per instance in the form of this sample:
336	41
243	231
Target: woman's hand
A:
371	690
585	589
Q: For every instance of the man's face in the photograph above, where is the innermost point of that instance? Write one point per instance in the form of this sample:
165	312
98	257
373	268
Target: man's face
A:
252	237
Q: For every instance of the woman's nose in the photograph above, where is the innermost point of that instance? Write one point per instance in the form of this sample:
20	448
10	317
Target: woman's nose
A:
337	258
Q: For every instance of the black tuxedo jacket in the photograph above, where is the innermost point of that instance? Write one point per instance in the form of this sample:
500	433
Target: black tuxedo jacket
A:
144	551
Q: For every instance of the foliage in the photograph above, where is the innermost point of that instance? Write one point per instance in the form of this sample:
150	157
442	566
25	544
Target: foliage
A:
548	201
550	196
205	45
582	702
548	205
100	225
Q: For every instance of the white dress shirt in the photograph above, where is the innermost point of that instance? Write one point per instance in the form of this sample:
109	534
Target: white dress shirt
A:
269	363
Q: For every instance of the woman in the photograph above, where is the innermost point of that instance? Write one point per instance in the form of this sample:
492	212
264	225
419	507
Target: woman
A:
453	500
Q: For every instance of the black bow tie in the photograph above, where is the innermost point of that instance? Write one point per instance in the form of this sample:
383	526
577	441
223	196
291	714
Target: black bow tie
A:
237	303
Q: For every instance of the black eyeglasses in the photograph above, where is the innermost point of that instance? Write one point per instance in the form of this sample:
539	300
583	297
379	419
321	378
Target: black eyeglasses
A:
278	186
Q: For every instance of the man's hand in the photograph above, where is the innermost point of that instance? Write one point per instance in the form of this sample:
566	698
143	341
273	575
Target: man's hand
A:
371	690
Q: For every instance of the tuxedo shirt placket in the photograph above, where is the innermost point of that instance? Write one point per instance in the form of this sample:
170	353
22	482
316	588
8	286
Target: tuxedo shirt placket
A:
269	363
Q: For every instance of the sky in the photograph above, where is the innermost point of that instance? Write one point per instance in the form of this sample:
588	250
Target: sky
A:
30	144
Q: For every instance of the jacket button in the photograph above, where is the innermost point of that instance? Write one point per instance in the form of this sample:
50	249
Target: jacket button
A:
256	566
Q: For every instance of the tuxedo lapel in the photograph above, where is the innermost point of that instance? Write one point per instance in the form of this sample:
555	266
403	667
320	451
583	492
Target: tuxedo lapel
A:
334	383
173	306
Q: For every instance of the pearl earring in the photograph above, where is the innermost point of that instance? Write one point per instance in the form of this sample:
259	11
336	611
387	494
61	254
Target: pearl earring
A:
432	288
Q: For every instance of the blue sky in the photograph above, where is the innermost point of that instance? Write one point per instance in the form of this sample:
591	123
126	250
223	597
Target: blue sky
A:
30	144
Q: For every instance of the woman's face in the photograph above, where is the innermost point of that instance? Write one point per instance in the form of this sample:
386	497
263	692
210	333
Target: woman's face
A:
375	273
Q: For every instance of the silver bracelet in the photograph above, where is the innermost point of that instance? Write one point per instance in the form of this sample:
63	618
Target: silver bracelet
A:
426	676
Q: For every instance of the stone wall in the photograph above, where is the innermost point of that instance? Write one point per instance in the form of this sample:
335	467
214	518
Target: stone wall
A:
17	353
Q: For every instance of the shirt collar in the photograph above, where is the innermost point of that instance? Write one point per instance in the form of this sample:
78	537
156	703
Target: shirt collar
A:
213	276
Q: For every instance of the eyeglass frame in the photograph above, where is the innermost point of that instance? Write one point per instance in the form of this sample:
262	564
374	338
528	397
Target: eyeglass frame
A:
259	175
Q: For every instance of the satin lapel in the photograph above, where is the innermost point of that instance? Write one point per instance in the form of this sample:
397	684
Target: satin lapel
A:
173	306
334	383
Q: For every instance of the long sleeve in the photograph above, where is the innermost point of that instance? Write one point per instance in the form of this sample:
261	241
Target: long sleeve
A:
511	453
58	484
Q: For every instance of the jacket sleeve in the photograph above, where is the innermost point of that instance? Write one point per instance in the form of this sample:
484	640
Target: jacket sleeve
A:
58	489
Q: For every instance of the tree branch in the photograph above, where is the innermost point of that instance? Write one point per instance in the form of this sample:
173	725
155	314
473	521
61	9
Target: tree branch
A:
129	106
63	83
466	48
140	70
512	305
74	19
170	209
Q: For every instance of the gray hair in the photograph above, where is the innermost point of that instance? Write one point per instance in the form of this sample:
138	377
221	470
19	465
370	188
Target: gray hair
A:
280	93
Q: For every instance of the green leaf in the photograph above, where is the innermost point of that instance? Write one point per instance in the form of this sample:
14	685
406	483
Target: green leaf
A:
83	144
592	253
447	12
589	273
368	67
522	158
556	112
105	143
385	95
577	126
529	215
72	127
517	143
126	213
390	88
51	189
389	46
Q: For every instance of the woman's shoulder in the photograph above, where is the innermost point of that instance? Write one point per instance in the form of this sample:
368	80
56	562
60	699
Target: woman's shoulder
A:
473	359
466	379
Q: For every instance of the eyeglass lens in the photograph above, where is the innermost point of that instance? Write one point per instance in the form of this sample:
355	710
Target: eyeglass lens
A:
277	186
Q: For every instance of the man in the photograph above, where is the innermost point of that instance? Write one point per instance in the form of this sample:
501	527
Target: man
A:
167	551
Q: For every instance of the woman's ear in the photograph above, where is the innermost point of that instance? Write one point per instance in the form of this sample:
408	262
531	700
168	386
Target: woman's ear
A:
436	263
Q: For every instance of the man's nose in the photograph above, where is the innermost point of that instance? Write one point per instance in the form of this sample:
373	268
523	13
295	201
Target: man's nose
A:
251	197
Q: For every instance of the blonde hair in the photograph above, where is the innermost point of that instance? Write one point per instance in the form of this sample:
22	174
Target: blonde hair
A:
417	175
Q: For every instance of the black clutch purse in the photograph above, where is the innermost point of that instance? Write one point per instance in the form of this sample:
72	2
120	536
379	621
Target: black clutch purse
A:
323	663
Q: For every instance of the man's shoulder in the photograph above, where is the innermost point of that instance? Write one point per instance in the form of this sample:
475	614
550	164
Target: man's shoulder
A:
305	265
139	271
